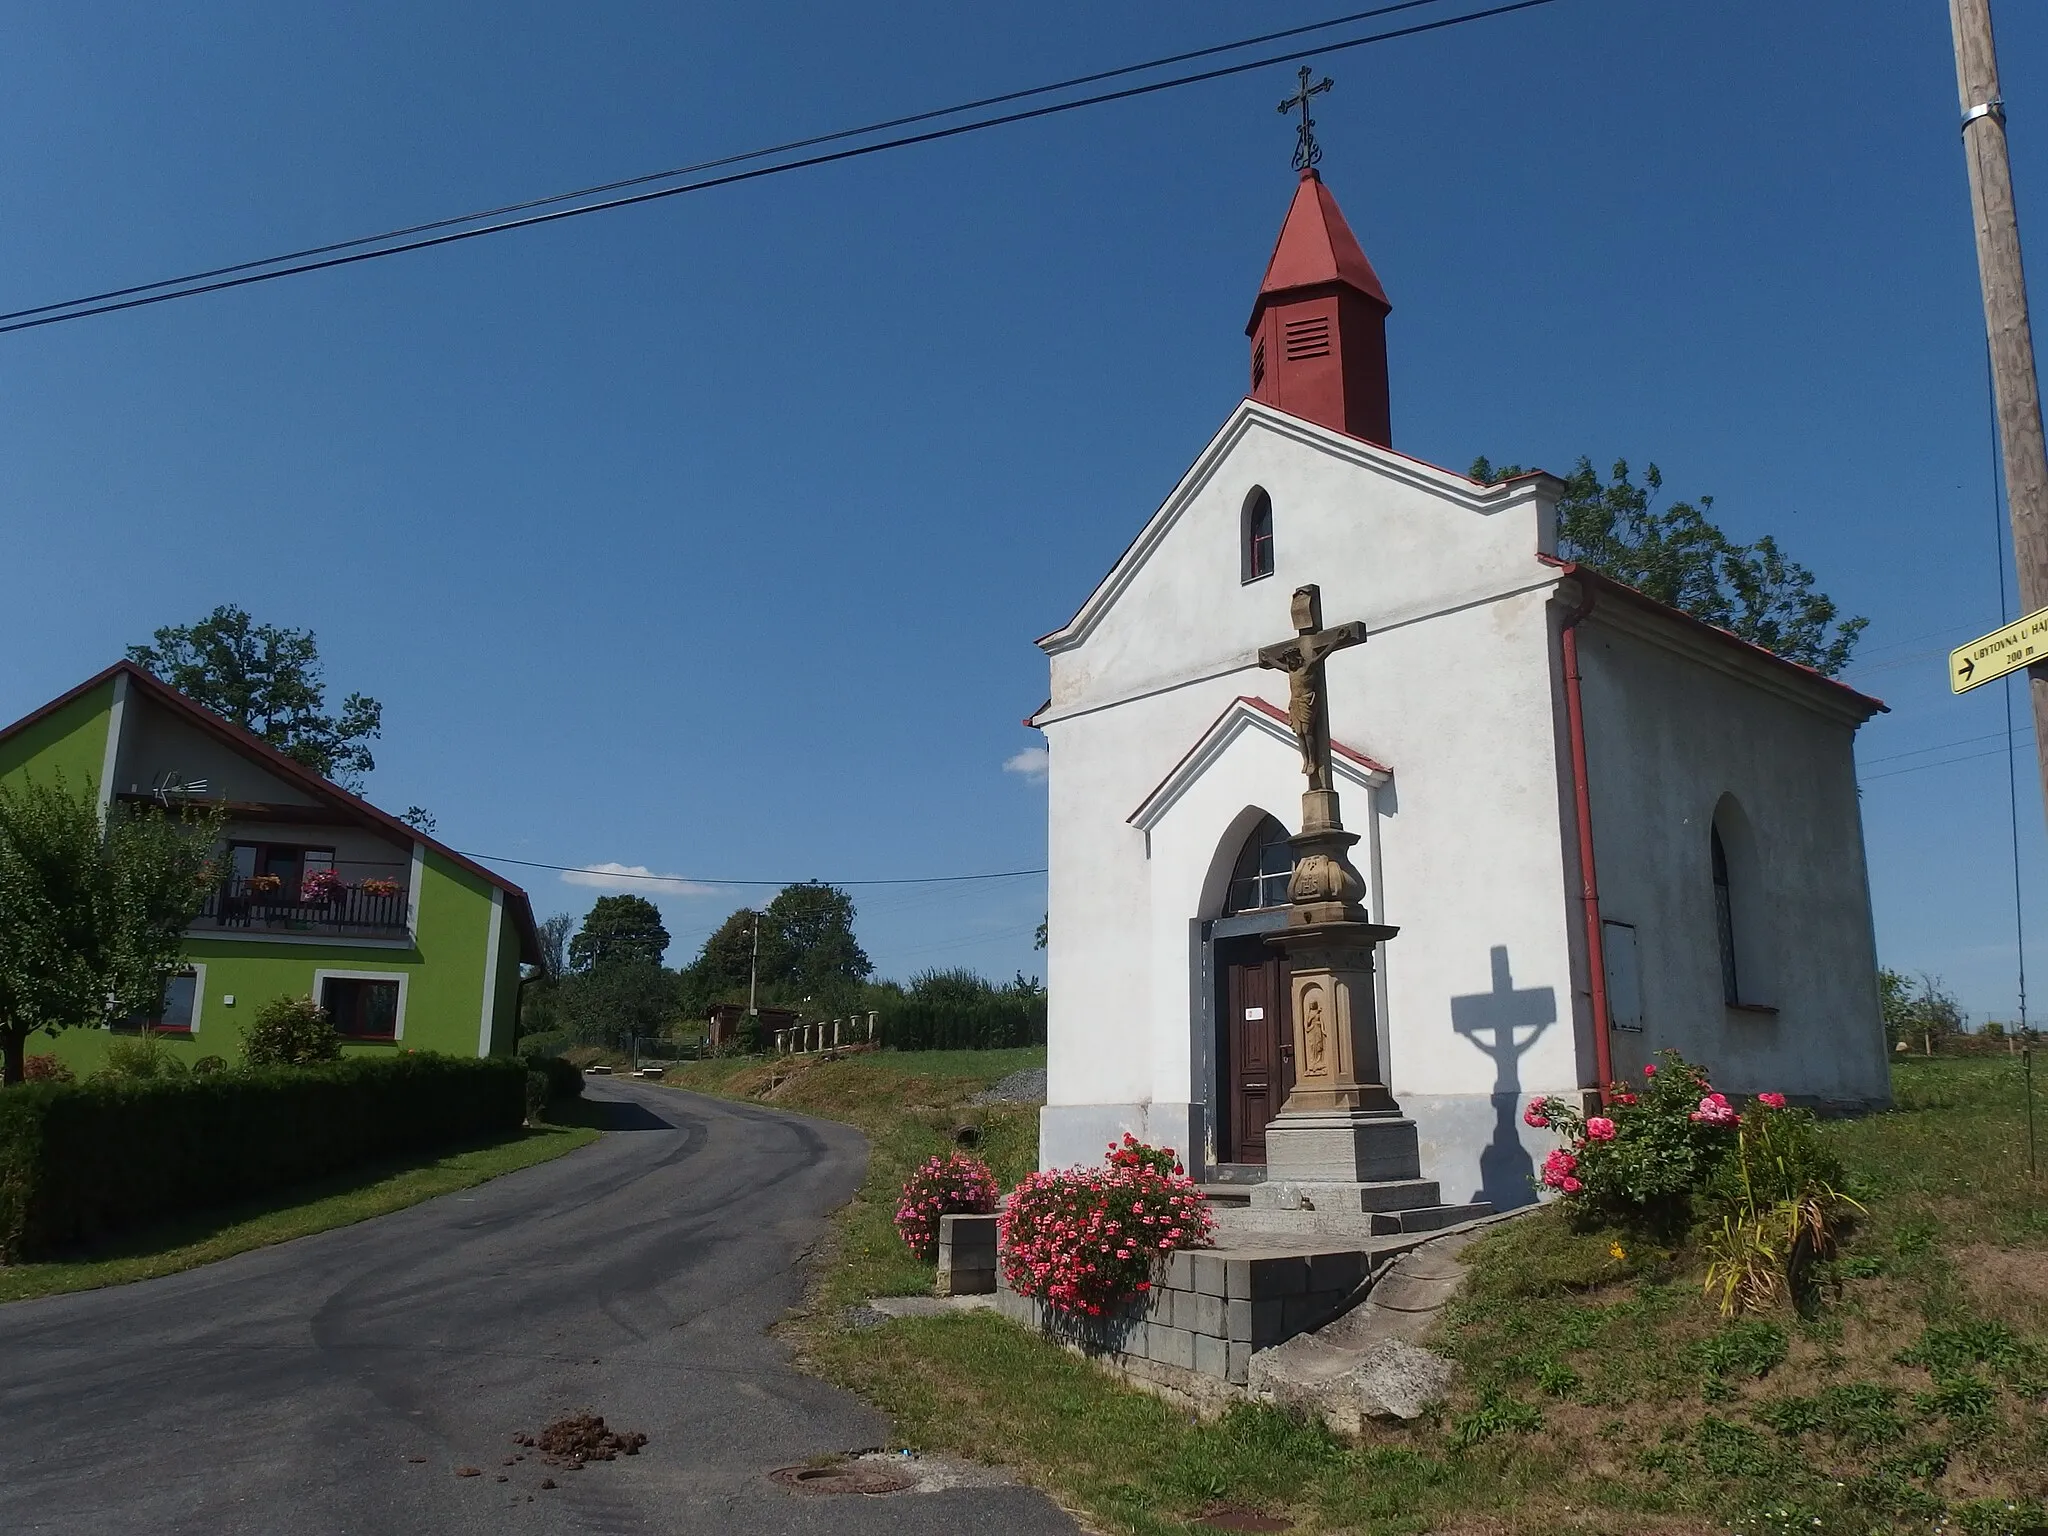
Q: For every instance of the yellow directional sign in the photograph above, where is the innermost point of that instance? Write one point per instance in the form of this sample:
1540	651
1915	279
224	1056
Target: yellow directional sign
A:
2002	651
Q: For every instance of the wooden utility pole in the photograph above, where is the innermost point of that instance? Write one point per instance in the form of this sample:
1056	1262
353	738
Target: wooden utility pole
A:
2014	385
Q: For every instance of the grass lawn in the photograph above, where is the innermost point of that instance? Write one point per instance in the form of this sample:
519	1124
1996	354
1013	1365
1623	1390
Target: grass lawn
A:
1597	1393
333	1202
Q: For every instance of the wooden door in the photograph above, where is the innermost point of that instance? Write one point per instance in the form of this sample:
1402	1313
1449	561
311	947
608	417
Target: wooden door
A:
1259	1067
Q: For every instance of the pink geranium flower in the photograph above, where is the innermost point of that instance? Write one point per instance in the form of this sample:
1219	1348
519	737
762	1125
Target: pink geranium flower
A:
1599	1128
1771	1100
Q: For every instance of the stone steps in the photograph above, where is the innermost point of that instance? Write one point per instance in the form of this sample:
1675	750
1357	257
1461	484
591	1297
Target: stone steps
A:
1250	1220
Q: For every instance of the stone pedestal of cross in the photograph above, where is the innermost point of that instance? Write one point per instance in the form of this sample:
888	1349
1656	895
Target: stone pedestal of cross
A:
1340	1142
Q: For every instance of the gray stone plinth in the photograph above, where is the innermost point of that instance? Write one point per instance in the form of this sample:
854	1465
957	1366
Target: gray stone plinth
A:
1341	1147
967	1255
1307	1195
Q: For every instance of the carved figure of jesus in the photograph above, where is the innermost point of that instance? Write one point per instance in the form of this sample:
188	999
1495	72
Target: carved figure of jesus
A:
1308	705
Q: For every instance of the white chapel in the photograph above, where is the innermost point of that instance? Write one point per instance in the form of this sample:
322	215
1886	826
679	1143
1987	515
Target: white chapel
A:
1601	827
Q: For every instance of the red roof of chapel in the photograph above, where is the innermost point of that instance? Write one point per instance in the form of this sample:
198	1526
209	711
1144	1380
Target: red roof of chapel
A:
1316	246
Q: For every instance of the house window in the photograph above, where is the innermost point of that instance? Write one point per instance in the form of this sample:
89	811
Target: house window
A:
177	1014
1724	921
274	871
1262	870
1258	534
362	1006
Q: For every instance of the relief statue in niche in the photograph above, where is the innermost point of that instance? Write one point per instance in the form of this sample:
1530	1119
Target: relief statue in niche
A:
1314	1036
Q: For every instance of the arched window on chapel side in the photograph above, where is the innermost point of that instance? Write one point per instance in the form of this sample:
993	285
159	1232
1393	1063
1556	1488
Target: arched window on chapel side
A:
1258	534
1259	878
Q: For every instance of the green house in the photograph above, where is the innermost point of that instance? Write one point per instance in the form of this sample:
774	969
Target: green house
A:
406	943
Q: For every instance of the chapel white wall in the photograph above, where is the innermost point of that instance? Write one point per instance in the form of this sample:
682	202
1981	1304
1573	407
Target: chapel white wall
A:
1667	735
1455	691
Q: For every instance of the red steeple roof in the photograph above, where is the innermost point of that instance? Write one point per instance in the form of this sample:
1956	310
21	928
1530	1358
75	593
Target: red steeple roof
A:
1319	328
1317	246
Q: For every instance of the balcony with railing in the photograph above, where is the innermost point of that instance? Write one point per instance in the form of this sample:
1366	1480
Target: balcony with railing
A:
364	902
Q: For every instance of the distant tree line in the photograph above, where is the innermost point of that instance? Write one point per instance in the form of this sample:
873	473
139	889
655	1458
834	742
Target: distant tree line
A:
606	980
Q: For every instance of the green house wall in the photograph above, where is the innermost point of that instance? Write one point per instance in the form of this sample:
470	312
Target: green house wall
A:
71	742
451	966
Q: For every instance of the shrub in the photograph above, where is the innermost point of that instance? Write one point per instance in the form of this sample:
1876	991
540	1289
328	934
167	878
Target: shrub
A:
960	1011
537	1095
950	1185
290	1032
1088	1239
46	1069
209	1064
81	1160
1639	1162
564	1079
141	1059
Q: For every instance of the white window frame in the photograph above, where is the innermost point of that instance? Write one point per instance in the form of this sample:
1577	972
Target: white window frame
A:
322	977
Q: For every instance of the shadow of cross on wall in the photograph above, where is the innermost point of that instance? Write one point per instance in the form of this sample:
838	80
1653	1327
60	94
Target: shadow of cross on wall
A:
1504	1023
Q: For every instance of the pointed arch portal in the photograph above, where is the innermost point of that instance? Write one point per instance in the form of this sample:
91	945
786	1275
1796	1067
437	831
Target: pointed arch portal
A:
1246	986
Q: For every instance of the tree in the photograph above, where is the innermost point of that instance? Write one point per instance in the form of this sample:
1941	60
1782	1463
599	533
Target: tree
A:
554	941
92	915
267	680
723	963
622	996
814	949
1922	1019
1680	556
419	818
619	928
808	950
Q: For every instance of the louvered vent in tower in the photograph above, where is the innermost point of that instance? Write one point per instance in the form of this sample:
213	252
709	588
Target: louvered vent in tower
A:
1307	338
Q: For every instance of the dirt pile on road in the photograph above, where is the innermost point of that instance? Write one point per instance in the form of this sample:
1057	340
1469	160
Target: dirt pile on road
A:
573	1441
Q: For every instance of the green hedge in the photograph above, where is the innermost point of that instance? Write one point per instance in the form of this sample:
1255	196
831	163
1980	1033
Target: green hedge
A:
79	1161
564	1079
984	1024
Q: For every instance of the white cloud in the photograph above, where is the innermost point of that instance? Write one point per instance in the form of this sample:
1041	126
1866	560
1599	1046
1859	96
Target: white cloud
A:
638	878
1032	763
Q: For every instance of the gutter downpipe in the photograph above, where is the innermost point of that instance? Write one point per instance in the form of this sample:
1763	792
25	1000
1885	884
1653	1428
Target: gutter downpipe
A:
1582	803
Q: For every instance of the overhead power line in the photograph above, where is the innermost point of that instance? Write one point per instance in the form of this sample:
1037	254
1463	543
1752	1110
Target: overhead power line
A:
787	147
628	874
243	274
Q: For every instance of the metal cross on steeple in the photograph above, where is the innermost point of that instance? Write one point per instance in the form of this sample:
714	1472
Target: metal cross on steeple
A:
1306	150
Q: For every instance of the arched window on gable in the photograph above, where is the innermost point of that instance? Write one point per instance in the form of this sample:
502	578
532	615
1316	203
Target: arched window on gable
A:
1257	535
1259	879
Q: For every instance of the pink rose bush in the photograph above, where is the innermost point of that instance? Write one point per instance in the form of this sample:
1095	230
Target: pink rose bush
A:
1088	1239
1640	1159
1771	1100
952	1185
1715	1110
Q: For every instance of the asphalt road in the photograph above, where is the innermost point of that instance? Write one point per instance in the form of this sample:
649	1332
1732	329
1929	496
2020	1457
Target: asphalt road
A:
284	1391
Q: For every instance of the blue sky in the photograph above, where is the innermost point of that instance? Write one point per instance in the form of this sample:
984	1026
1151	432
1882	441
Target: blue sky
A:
711	537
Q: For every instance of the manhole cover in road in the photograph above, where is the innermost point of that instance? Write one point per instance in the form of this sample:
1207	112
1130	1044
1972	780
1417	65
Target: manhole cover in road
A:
840	1477
1235	1517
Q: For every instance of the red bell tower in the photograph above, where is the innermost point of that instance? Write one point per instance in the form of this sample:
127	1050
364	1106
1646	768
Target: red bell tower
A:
1319	328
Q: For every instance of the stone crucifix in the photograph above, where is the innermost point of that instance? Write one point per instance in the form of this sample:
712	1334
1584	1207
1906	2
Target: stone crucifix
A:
1308	703
1323	887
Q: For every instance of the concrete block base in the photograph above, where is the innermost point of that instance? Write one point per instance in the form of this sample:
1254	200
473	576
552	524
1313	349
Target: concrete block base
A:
1341	1147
